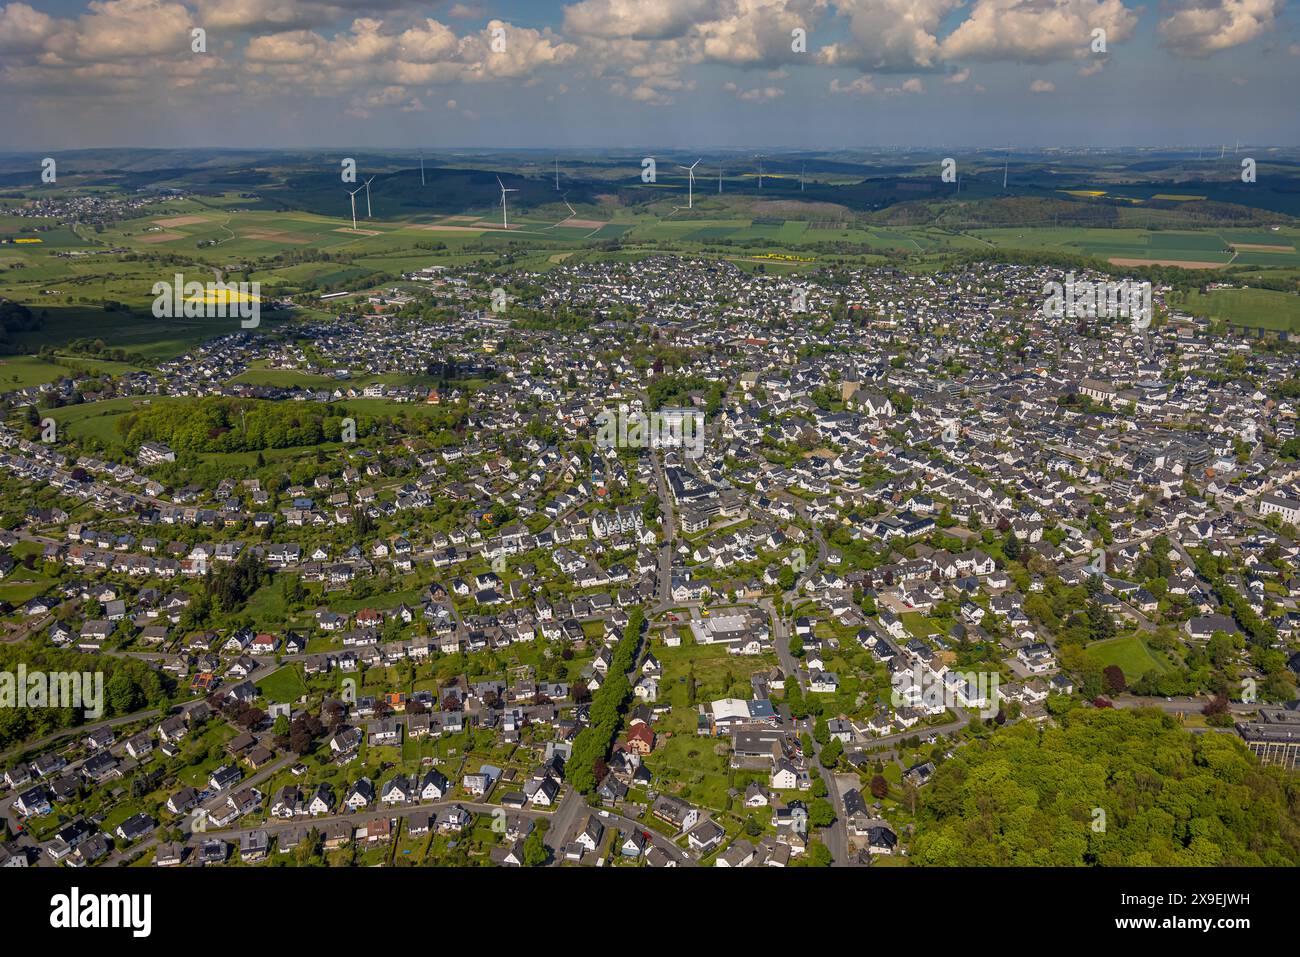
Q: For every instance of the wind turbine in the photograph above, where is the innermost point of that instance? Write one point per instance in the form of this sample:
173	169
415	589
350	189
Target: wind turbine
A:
1005	163
719	177
505	224
690	183
759	157
353	196
802	167
421	167
367	185
557	174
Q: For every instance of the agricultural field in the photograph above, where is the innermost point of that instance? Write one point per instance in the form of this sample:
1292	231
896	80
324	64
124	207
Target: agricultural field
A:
1256	308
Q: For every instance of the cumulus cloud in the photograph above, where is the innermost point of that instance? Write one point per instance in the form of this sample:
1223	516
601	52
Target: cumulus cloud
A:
858	86
890	35
637	20
755	95
1198	28
1042	86
654	84
1037	31
24	29
119	30
371	52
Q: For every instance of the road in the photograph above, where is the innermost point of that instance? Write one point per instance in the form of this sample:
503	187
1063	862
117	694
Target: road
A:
836	836
80	731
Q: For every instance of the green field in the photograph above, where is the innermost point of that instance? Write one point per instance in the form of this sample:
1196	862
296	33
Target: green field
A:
1257	308
284	685
1130	653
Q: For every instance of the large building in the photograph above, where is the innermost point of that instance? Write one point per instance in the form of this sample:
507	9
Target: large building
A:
154	453
1275	737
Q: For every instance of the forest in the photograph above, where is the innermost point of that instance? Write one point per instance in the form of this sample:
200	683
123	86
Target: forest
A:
1108	787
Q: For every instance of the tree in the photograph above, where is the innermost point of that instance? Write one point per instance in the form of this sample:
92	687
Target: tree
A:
832	753
1113	678
821	733
536	853
1014	799
879	787
817	854
820	813
1011	546
123	695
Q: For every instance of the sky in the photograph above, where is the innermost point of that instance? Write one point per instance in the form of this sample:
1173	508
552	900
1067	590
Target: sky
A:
652	74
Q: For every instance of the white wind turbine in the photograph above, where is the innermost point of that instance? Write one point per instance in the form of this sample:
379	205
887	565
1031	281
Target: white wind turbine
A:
367	185
353	196
690	183
505	224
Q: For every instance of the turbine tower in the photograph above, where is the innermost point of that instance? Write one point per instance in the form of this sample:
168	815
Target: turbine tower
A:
557	174
421	167
367	185
759	157
690	183
353	196
505	223
719	178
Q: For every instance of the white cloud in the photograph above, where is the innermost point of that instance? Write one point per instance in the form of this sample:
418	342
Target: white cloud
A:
24	29
890	35
1042	86
755	95
859	86
636	19
1199	28
1037	31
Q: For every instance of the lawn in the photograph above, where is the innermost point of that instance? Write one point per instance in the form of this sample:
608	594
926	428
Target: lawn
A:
1130	653
286	684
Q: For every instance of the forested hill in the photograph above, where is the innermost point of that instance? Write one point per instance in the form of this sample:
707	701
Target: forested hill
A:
1028	796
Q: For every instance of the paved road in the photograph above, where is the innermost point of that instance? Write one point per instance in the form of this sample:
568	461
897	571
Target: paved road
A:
79	731
1183	705
836	836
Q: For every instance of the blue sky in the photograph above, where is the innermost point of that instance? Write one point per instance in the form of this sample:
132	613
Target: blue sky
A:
666	74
